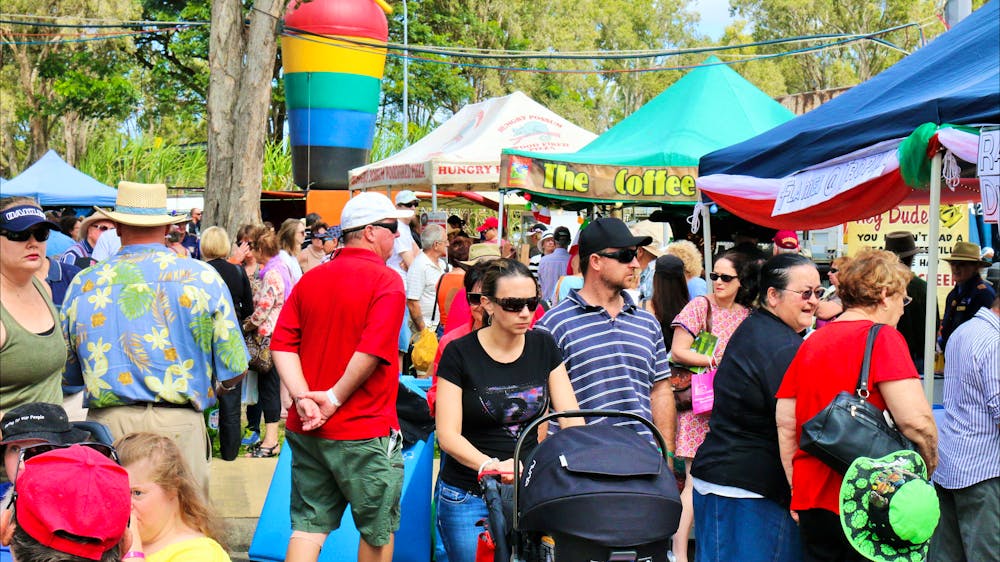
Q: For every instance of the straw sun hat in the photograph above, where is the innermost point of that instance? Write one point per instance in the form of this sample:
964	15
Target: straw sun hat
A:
142	204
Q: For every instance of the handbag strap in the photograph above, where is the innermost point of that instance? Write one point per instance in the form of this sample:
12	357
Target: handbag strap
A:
862	388
708	315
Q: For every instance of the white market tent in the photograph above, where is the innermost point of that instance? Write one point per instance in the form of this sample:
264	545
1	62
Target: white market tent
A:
463	154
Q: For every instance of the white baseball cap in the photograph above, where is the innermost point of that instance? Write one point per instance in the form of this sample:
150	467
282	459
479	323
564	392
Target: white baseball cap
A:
406	197
367	208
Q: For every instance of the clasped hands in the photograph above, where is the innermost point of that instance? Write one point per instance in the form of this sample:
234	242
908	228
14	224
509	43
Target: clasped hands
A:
314	408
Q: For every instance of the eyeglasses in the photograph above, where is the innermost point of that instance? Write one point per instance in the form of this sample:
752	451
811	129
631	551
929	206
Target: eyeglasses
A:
410	205
390	226
625	255
474	298
517	305
807	294
725	278
907	300
101	227
40	234
834	270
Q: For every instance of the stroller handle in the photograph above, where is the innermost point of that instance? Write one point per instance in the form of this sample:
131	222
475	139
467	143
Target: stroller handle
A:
533	427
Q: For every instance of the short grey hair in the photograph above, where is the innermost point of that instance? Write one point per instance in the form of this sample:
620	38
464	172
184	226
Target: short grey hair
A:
432	234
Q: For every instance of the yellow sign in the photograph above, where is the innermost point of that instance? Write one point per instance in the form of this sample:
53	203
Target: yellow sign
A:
870	233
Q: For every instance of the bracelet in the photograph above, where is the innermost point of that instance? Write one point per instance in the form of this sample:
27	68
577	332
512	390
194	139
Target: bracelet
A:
670	454
333	398
134	554
486	463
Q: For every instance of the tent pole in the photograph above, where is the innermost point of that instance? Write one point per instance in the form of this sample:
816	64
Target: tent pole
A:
930	315
434	197
706	229
503	195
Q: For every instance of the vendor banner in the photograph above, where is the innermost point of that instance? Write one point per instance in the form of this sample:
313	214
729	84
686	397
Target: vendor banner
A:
870	233
988	170
597	182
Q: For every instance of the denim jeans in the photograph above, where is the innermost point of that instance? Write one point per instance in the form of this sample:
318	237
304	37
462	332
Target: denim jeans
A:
745	529
457	514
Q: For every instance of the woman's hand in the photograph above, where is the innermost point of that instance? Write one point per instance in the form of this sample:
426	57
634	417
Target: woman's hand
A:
506	469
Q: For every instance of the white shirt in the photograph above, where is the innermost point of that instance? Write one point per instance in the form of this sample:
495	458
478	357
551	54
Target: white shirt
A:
294	269
421	285
402	244
107	245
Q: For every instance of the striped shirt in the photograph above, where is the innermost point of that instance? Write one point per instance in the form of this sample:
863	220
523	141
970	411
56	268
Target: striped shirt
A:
969	445
612	362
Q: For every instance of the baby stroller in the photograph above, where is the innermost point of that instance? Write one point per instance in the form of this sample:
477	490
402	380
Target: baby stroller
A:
591	493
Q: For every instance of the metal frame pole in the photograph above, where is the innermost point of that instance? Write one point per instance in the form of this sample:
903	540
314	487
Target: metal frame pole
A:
930	316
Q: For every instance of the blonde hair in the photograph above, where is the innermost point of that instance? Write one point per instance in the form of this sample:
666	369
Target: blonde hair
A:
170	471
869	273
689	254
286	236
214	243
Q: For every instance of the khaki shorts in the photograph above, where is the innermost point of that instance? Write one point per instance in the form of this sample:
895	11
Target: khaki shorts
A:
328	475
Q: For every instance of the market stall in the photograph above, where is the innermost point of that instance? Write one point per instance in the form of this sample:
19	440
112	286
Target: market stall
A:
54	183
879	144
651	157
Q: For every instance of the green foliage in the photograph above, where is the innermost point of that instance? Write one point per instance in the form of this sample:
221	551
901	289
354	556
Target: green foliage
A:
841	66
115	156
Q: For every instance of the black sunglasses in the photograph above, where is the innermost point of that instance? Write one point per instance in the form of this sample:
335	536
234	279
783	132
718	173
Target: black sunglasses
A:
390	226
473	298
101	227
725	278
410	205
40	234
625	255
834	270
517	305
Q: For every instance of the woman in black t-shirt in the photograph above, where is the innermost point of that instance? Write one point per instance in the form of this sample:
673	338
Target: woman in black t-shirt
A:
491	384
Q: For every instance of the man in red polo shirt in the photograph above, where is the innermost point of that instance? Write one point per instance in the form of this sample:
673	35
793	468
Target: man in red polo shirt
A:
335	349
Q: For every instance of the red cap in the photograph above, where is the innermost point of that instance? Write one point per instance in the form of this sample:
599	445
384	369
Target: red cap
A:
489	223
74	492
786	239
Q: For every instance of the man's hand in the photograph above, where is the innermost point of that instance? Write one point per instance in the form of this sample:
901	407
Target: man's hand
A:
309	412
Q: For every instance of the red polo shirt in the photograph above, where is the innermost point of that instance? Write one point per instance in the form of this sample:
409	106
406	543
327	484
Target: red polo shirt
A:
352	303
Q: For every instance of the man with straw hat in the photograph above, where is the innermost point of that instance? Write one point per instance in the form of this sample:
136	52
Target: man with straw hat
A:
970	293
152	335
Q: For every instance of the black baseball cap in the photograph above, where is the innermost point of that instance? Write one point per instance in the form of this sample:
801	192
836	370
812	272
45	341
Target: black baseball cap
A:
39	420
608	232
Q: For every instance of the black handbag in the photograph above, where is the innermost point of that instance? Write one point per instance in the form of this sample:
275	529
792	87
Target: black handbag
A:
851	427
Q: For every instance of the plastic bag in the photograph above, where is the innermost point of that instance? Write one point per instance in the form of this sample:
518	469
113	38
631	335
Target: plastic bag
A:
424	350
703	392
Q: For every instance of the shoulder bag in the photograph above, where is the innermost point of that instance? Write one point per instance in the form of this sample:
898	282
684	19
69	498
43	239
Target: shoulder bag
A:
850	426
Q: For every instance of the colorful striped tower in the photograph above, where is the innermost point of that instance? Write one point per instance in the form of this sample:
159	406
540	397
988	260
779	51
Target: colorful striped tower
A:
332	84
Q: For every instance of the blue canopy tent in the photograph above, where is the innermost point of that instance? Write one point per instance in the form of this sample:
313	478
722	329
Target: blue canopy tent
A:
53	182
845	160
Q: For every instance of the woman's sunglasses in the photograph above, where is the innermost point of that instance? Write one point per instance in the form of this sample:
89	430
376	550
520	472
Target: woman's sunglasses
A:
473	298
725	278
101	227
517	305
807	294
625	255
40	234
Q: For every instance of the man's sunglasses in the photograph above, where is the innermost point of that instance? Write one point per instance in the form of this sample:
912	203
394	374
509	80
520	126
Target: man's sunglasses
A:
517	305
625	255
725	278
392	227
40	234
410	205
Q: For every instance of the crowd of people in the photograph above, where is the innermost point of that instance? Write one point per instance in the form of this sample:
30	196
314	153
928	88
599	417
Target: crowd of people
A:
172	318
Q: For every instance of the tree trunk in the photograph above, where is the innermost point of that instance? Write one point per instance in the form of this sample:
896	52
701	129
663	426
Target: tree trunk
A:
239	96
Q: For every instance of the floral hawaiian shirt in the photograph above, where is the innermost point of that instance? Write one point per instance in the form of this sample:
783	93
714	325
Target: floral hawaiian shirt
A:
146	325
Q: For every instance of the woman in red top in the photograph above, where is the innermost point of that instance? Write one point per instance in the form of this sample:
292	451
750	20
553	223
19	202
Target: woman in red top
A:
873	290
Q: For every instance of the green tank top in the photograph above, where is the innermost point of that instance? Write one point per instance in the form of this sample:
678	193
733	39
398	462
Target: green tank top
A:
30	364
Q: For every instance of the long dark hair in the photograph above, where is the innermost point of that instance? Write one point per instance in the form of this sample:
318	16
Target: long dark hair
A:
670	294
500	268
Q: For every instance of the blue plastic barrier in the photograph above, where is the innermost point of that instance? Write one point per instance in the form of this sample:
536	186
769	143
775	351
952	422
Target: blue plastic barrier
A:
413	540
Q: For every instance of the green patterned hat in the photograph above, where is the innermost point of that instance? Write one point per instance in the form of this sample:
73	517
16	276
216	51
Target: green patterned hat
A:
888	509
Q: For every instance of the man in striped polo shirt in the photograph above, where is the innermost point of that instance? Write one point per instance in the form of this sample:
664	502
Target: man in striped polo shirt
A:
968	475
614	351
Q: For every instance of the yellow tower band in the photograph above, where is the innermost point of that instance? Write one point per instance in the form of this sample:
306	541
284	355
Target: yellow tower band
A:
321	54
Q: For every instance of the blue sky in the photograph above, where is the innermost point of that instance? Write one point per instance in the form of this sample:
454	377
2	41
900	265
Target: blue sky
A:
714	16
